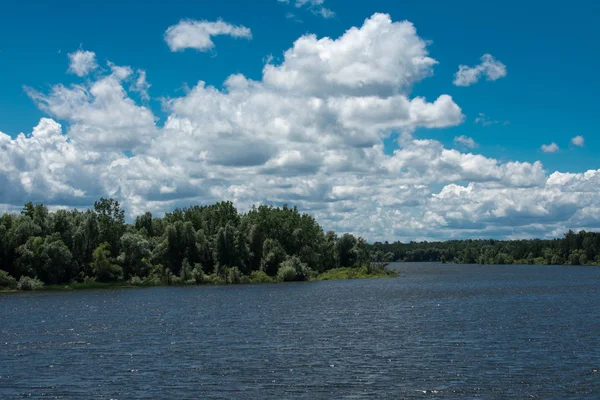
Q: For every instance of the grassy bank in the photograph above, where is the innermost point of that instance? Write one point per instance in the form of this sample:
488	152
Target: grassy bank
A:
256	277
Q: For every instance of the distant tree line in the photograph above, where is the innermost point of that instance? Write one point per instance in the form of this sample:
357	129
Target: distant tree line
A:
212	243
581	248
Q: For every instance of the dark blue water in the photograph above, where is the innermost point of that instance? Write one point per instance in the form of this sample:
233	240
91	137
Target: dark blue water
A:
436	332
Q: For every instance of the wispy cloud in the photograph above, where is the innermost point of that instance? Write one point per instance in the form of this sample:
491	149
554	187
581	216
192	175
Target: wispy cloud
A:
465	141
486	121
315	6
491	68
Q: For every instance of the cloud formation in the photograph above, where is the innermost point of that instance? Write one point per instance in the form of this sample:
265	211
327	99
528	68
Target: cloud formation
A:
315	6
465	141
550	148
189	34
82	62
490	68
308	132
578	141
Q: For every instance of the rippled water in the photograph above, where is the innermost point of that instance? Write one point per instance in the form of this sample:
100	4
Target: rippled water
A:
436	332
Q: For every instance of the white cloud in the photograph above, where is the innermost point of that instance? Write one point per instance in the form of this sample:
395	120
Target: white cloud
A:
550	148
465	141
491	68
308	132
100	114
82	62
141	85
188	34
380	58
315	6
578	141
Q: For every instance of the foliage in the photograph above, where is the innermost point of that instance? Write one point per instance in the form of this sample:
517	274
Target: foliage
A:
102	267
217	244
7	281
273	255
581	248
260	277
286	273
26	283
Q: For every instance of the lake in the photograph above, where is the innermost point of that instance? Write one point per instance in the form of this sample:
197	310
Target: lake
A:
435	332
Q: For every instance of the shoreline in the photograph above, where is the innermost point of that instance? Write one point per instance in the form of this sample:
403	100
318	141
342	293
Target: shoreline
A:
337	274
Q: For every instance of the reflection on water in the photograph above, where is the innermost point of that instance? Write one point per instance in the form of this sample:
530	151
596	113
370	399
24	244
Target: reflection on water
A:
437	331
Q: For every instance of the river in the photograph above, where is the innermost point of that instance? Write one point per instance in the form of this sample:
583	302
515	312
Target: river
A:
435	332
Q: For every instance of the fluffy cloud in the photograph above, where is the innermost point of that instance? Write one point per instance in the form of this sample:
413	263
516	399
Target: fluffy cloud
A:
465	141
188	34
101	115
82	62
491	68
379	59
578	141
550	148
309	132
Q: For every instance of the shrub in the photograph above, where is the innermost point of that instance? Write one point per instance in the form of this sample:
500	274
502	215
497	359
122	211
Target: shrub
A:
301	270
260	277
198	274
27	283
185	273
7	281
135	281
214	279
286	273
234	275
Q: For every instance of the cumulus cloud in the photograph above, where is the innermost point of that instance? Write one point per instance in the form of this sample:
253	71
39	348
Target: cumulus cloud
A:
491	68
189	34
308	132
82	62
380	58
578	141
550	148
465	141
100	114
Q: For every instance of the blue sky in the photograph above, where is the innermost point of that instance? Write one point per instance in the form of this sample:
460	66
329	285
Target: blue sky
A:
548	94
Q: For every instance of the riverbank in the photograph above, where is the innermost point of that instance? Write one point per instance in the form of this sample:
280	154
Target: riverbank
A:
255	278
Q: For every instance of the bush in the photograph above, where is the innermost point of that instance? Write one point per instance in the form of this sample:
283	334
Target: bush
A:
286	273
7	281
198	274
135	281
27	283
234	275
214	279
260	277
300	269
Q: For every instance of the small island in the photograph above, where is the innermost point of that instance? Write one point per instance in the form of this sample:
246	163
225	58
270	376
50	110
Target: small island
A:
212	244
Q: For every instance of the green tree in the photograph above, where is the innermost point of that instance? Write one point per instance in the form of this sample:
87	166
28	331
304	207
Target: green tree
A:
111	222
135	253
103	268
273	256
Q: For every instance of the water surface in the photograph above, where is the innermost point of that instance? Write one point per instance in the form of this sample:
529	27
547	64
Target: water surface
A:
436	332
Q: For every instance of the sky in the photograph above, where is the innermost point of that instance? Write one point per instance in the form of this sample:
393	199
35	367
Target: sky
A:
411	120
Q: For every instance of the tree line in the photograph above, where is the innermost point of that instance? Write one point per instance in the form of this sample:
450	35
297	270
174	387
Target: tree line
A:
212	243
582	248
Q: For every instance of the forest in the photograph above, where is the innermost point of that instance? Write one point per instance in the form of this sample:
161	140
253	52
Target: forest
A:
581	248
218	244
200	244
